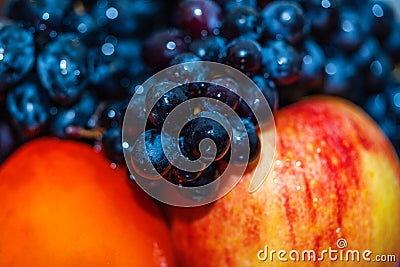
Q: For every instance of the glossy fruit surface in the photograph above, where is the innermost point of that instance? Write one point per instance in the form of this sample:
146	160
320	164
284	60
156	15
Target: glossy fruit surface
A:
62	205
335	176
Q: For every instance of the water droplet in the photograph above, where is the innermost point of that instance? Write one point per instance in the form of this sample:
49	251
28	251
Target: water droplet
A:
377	11
298	163
198	12
171	45
298	187
113	166
112	13
107	49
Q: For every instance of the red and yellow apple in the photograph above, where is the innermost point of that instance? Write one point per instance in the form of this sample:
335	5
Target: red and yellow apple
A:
335	177
62	204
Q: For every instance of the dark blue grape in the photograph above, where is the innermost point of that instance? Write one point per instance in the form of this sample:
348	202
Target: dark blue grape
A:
284	20
312	68
129	17
244	55
379	17
62	68
79	115
162	46
282	62
166	103
340	75
17	54
113	114
242	21
365	55
29	108
378	72
112	145
240	147
186	72
376	106
84	25
350	33
199	18
117	67
268	89
148	158
222	89
322	15
209	48
205	128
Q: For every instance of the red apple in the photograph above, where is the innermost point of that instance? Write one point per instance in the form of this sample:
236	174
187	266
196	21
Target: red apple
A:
62	204
335	177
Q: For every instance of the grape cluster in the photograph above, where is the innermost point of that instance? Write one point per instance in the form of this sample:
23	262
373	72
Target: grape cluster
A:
68	68
295	48
205	121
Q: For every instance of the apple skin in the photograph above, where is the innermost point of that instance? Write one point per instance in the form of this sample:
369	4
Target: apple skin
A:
61	204
335	175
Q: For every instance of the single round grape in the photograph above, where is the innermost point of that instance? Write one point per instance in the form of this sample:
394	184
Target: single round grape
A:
242	21
282	62
209	48
379	17
350	34
28	104
312	68
323	16
62	68
244	55
148	158
222	89
78	115
284	20
202	128
166	103
199	18
162	46
340	75
17	54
